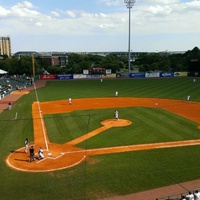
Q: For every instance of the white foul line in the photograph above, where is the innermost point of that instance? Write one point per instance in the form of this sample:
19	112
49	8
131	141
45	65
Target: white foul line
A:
41	117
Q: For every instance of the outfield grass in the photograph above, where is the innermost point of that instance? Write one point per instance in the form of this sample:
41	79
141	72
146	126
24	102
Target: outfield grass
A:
104	175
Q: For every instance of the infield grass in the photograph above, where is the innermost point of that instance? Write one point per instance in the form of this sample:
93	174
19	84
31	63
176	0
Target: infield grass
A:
108	175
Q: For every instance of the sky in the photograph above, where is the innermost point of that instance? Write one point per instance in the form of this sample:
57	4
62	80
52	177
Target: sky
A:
100	25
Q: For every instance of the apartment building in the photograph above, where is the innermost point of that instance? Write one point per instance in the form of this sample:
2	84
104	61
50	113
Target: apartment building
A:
5	46
51	58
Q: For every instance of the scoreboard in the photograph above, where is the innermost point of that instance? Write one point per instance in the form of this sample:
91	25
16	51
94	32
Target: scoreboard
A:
97	70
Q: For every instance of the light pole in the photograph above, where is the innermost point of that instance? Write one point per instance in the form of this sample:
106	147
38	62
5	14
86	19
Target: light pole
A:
129	5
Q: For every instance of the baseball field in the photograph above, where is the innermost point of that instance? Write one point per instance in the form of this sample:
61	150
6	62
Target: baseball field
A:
91	155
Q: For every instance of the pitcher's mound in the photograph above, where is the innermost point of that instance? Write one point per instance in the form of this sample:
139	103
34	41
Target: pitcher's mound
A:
116	123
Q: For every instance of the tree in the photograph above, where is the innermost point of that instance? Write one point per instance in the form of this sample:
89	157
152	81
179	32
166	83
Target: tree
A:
55	70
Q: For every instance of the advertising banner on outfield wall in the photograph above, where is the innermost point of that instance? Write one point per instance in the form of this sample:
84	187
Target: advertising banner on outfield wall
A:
152	75
85	71
137	75
79	76
108	71
177	74
108	76
119	75
93	76
64	76
196	74
48	76
166	74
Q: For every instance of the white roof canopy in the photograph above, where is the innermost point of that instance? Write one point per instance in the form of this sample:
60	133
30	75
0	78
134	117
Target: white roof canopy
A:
3	71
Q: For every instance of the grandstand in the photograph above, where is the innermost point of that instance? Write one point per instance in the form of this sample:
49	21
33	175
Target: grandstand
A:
10	84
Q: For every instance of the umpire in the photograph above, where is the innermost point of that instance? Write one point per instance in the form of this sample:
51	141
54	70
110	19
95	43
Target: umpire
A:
31	150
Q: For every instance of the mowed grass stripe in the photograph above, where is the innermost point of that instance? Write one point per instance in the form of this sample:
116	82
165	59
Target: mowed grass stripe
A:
166	88
172	127
63	128
149	126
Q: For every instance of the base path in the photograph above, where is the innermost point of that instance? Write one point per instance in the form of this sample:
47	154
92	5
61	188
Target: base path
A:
61	156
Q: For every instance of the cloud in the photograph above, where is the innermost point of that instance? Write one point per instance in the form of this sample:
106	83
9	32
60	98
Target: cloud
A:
111	2
4	12
55	14
156	16
39	24
24	9
166	17
148	17
70	13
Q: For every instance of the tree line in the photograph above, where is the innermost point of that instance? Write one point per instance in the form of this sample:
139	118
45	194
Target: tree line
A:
146	62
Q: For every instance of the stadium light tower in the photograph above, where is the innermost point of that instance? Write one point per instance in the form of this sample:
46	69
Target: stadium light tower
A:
129	5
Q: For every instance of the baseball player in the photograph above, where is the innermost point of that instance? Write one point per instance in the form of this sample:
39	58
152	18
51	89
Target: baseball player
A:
116	115
116	93
26	145
9	106
31	150
70	101
40	153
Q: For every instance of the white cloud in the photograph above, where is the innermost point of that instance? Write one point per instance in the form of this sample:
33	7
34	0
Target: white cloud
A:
193	4
24	9
55	14
160	10
161	16
160	2
39	24
111	2
70	13
148	17
4	12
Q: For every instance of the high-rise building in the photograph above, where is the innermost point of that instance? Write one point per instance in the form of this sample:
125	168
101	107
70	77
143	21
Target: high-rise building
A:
5	46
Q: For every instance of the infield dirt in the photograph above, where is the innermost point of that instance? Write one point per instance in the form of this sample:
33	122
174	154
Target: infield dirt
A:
60	156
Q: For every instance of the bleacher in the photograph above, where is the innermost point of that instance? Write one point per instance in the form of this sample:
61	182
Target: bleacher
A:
10	84
178	196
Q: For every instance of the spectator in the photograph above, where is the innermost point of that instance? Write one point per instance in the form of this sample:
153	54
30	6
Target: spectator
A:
190	196
183	198
197	195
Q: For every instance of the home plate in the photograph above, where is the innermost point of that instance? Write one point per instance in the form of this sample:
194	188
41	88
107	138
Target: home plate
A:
49	154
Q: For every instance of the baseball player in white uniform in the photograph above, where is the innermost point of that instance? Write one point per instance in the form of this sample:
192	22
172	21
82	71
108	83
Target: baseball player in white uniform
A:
26	145
40	153
188	97
70	101
116	115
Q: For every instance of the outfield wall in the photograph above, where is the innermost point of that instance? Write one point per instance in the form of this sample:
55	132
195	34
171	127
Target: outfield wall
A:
118	75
